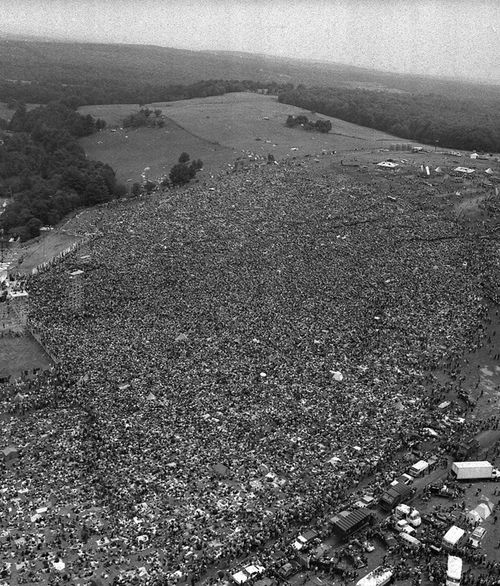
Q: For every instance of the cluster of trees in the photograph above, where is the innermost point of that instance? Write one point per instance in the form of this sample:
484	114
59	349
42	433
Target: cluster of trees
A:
45	172
184	170
451	122
320	125
145	117
111	91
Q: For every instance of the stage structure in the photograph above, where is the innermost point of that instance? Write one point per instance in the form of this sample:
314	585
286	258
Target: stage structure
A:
77	291
14	306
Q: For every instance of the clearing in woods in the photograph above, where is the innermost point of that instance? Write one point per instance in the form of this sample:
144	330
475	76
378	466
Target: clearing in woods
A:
218	130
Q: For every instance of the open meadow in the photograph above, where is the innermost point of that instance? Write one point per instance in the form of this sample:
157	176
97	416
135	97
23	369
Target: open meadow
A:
218	130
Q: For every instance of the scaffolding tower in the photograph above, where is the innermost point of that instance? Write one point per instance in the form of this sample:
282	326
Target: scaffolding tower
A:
76	291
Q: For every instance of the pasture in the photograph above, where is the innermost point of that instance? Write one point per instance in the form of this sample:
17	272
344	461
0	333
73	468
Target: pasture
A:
130	151
218	130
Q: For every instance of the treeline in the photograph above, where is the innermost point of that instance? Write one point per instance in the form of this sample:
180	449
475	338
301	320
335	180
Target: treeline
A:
44	171
323	126
111	91
144	118
431	119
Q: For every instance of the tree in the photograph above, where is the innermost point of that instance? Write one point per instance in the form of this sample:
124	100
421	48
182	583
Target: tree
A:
136	189
184	157
323	126
180	174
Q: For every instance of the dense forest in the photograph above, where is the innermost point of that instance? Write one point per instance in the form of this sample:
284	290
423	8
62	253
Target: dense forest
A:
50	64
44	171
109	91
431	119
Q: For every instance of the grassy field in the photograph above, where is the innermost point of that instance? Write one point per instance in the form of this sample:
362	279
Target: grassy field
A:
217	130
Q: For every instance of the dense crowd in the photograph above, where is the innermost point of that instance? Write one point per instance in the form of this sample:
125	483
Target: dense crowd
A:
250	348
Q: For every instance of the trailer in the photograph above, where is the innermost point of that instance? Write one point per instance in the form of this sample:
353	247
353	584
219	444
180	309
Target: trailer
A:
454	571
394	495
482	470
347	523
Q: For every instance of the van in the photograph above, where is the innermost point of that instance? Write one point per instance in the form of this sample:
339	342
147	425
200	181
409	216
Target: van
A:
418	469
403	526
410	540
454	537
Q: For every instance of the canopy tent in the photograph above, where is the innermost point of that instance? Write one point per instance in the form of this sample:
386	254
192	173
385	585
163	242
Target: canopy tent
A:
10	453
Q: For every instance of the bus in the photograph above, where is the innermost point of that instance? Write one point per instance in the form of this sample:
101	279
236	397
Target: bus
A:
454	572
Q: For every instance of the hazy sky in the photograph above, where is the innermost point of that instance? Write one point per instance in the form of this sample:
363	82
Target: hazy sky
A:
459	38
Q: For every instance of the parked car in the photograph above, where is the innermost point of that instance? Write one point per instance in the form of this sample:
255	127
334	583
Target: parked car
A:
288	569
476	537
402	526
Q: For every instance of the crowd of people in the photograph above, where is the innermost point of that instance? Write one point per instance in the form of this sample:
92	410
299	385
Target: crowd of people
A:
249	349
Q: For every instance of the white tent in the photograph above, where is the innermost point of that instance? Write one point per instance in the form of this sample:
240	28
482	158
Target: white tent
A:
240	577
387	164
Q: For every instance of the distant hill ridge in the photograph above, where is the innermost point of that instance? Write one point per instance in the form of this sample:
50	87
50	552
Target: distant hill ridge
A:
63	62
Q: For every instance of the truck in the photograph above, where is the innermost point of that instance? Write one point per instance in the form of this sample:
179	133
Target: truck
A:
482	470
411	515
454	571
419	468
394	495
454	537
347	523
